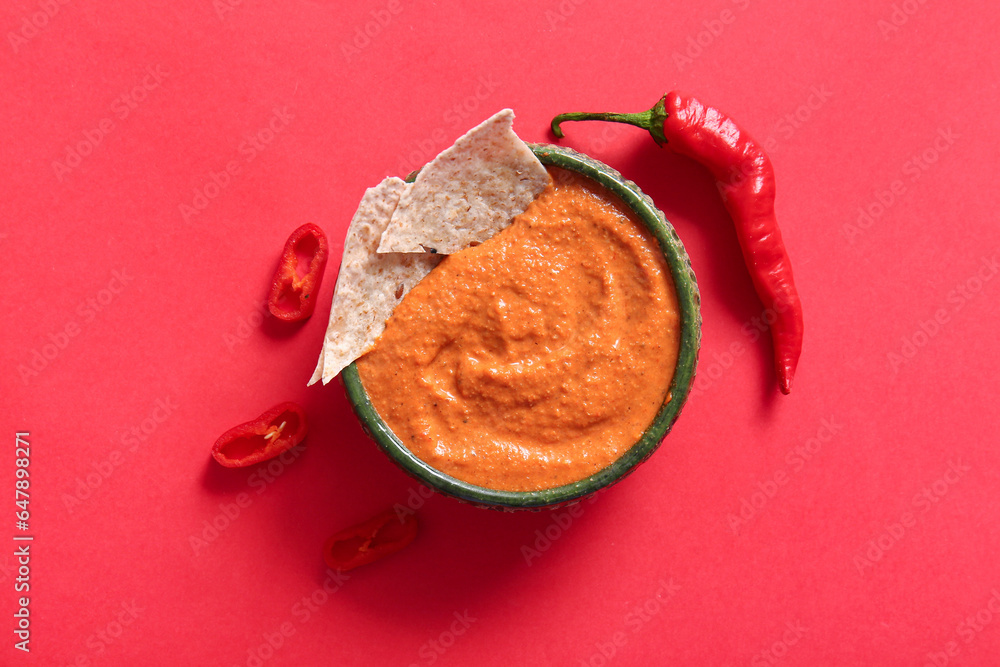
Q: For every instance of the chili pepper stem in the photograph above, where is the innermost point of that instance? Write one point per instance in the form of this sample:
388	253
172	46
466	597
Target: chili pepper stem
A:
650	120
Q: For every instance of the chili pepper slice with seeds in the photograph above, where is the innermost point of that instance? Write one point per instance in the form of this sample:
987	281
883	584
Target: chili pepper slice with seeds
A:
276	431
745	179
383	534
299	274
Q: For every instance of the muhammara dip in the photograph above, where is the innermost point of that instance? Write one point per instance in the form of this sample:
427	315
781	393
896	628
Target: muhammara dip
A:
538	357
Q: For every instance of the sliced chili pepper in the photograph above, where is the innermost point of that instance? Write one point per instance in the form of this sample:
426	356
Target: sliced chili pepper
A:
370	540
297	280
277	430
745	180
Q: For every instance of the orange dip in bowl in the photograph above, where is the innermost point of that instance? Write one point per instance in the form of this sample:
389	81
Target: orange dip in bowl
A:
539	357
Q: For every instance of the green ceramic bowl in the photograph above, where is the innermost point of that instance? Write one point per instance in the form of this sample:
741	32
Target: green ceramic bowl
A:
688	298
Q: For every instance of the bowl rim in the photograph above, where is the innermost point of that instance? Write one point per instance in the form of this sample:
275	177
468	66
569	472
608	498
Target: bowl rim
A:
688	297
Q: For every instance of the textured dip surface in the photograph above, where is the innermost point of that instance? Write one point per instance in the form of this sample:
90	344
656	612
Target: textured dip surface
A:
538	357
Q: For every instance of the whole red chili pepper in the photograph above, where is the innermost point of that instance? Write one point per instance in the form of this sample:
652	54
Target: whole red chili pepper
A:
745	180
292	293
370	540
277	430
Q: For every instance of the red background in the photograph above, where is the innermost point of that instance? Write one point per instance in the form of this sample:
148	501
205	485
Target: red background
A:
871	542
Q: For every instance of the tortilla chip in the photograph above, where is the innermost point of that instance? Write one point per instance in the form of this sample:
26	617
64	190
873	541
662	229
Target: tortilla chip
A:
468	193
369	284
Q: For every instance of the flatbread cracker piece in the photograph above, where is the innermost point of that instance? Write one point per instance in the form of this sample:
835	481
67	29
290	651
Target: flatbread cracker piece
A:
468	193
369	284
